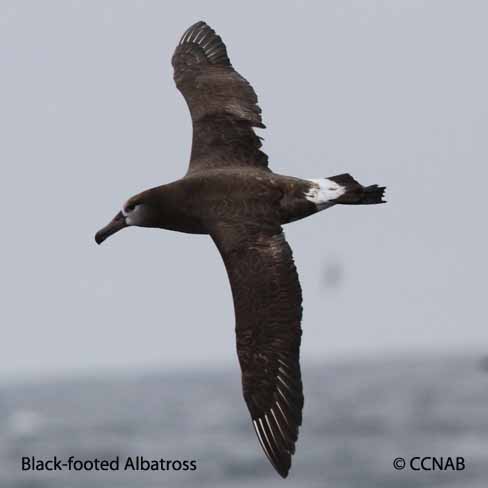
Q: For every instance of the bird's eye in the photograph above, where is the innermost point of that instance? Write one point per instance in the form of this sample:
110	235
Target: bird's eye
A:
128	208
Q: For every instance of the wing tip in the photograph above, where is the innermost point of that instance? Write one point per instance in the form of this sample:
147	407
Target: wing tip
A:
277	428
283	472
200	34
279	459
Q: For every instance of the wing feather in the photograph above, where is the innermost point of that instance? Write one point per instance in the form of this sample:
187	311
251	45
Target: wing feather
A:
267	302
223	105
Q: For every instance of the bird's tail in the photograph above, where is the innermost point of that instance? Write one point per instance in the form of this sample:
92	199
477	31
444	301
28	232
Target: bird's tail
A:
357	194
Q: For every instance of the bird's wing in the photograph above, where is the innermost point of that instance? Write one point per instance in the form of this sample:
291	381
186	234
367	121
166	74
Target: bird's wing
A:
223	105
267	302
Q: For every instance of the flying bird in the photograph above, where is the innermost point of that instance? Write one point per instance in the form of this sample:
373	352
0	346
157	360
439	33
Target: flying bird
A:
230	194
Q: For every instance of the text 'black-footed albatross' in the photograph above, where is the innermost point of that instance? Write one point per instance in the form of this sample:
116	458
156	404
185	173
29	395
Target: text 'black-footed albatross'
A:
230	194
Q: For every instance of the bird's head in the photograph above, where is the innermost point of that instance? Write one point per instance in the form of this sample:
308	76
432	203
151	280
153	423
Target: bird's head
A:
138	211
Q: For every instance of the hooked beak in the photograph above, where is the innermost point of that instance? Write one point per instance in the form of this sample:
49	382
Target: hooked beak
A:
114	226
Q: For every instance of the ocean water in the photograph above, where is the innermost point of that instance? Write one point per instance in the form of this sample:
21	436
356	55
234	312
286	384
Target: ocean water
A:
358	417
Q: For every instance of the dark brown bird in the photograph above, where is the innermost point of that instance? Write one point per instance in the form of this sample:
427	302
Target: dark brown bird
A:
230	194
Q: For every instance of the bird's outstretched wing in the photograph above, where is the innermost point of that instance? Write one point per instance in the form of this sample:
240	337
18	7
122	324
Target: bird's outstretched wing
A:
223	105
267	303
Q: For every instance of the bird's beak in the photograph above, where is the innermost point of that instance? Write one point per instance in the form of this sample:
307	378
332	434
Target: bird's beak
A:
117	224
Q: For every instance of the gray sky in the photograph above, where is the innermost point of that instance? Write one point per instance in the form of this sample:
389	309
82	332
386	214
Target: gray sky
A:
393	92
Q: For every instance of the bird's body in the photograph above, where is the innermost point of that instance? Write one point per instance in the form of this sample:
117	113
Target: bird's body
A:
230	193
193	203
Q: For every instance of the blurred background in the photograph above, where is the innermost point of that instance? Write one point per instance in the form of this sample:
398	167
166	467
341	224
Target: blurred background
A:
128	349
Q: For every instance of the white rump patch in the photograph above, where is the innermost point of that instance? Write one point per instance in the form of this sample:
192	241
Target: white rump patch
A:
323	191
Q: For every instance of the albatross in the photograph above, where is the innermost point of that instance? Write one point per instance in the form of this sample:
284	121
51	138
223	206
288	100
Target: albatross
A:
230	194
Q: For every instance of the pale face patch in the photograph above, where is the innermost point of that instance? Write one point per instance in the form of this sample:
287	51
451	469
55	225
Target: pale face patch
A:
133	216
323	191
